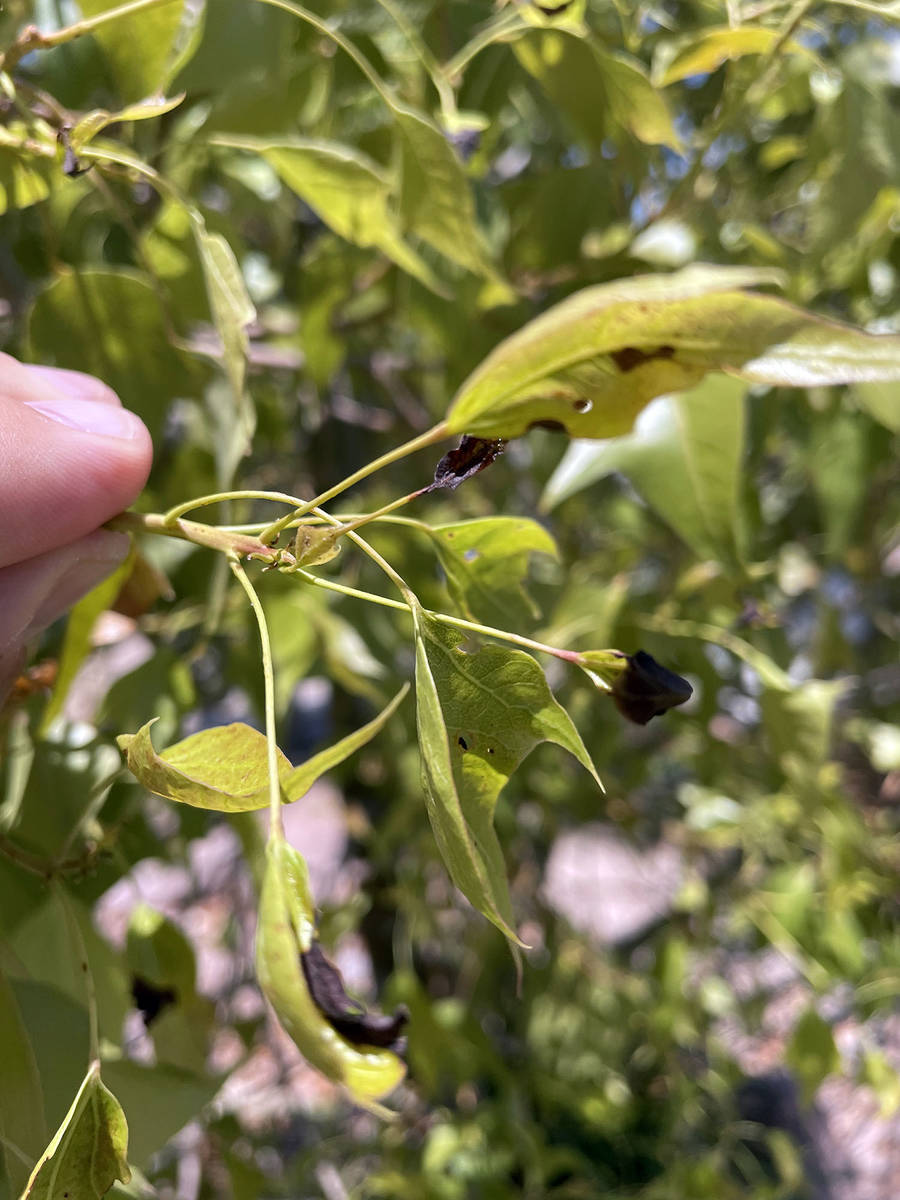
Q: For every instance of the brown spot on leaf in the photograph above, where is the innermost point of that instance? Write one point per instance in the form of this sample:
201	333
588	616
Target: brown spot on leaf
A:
345	1015
472	455
630	357
462	743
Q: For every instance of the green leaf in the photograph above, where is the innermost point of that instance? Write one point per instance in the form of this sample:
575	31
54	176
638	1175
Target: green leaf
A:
684	457
89	1151
591	363
225	768
232	312
142	48
811	1053
22	1125
286	927
25	179
79	626
436	200
158	1101
881	402
705	54
597	90
486	563
110	323
479	715
348	191
94	122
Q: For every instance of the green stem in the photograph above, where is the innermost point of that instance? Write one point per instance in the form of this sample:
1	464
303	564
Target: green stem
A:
192	531
436	434
343	589
31	37
219	497
502	27
276	825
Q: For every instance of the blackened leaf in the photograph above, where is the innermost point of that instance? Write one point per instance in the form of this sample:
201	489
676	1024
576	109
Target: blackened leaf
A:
347	1016
645	689
472	455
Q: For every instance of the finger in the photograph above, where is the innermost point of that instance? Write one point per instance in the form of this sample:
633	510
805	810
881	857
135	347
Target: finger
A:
71	457
34	593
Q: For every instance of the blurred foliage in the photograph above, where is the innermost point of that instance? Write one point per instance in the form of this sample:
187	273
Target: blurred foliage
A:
289	272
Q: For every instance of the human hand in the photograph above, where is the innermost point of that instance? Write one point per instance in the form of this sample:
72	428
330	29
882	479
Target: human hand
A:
71	457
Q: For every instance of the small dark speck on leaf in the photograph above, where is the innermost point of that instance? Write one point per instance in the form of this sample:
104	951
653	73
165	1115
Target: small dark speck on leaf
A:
630	357
462	743
490	749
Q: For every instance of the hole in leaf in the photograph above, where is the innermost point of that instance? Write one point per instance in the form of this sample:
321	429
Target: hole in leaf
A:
583	405
471	554
461	742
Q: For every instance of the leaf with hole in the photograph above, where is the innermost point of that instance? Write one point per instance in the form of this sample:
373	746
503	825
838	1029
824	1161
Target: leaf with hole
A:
478	716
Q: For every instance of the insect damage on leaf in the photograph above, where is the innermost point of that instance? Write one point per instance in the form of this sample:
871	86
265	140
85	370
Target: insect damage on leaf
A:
345	1015
630	357
472	455
645	689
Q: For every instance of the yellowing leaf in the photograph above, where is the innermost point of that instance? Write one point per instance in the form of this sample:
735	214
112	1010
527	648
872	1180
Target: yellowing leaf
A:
478	716
225	768
591	363
89	1151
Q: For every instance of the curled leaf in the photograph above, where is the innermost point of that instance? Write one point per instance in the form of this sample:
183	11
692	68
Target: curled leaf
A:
315	544
472	455
284	943
646	689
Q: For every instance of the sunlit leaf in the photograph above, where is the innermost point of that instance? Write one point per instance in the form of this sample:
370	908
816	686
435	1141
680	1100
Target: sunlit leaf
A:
143	48
706	53
347	190
89	1151
225	768
684	457
486	564
93	122
285	931
597	90
591	363
479	715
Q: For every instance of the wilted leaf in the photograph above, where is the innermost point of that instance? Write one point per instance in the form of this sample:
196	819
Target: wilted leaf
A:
465	460
347	190
486	563
598	91
646	689
225	768
89	1151
345	1015
479	715
683	456
285	931
590	364
702	55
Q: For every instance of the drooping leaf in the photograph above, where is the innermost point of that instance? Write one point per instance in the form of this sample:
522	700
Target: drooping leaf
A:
646	689
285	931
347	190
225	768
597	90
345	1015
436	200
591	363
89	1151
143	48
486	564
110	323
479	715
706	53
683	456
